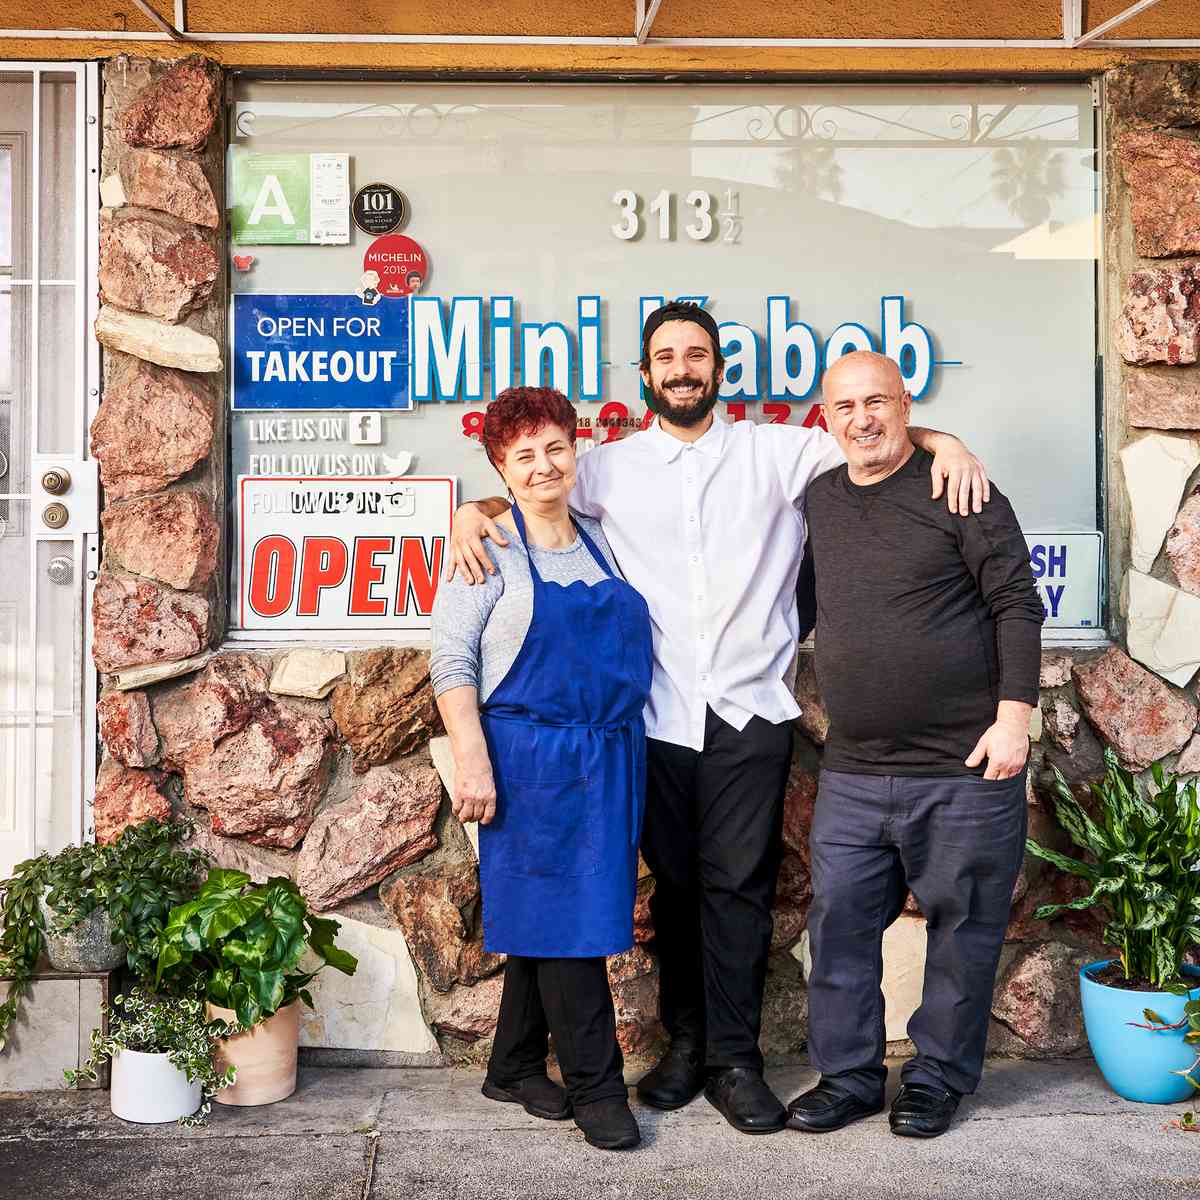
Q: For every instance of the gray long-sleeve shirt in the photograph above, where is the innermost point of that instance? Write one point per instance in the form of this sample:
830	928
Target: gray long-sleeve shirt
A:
478	629
925	620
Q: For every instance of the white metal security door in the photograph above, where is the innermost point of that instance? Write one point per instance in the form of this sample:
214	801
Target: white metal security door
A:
49	163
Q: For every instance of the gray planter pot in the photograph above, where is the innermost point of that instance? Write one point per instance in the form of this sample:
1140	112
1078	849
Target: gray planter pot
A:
86	948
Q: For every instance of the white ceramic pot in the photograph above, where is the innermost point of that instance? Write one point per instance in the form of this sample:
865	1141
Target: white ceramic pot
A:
150	1090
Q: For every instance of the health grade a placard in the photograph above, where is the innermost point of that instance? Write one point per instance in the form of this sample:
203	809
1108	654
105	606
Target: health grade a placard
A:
319	351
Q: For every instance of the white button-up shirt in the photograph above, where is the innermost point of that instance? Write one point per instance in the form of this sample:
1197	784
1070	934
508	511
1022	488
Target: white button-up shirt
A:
711	533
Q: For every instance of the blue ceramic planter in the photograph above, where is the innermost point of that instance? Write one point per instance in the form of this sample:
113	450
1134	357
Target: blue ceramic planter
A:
1137	1063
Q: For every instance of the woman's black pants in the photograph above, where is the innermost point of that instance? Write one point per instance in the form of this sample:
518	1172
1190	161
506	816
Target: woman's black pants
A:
567	999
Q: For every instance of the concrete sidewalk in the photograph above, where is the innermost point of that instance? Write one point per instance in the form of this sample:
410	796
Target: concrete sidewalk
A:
1034	1130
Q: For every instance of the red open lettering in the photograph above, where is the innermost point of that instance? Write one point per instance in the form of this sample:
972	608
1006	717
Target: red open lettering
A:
322	565
272	576
368	573
420	570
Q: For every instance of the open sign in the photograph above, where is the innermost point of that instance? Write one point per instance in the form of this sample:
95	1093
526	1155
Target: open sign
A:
322	553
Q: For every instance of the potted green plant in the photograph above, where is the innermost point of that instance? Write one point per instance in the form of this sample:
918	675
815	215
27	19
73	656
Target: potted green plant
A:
161	1050
1142	865
240	946
93	907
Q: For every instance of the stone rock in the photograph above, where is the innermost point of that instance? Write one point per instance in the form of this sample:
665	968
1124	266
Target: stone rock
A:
179	109
903	973
221	701
171	537
1161	401
172	184
166	345
264	782
1055	671
1183	544
150	267
1160	320
125	796
799	801
1189	760
112	191
793	895
310	673
465	1014
633	977
138	677
1163	628
814	718
154	425
137	621
1159	94
1163	173
1038	998
643	920
127	729
1132	709
1061	721
376	1008
1035	724
259	862
1157	468
785	1011
437	906
386	706
385	825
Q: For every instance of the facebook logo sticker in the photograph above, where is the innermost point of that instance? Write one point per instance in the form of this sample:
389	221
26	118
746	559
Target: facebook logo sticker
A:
366	428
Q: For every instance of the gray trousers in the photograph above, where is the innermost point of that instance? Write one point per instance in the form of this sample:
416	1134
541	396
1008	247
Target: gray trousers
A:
957	843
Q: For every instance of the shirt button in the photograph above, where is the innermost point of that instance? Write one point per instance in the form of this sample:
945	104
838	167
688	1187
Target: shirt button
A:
692	519
695	558
703	636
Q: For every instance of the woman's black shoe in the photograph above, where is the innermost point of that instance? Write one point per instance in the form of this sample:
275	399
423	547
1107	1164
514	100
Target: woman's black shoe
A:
824	1108
921	1110
741	1096
677	1080
608	1124
538	1095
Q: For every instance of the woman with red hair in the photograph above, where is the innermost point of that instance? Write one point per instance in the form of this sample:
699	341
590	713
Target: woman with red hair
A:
541	675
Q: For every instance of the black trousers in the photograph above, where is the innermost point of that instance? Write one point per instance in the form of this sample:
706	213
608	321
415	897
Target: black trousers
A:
713	838
957	843
569	1000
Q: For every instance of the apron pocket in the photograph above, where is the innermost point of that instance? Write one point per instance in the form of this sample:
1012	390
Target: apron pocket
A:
549	829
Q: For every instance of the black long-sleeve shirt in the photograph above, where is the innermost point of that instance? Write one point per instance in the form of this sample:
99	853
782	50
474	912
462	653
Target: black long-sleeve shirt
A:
925	620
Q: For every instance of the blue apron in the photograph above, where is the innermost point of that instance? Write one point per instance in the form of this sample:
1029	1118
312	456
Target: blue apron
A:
558	863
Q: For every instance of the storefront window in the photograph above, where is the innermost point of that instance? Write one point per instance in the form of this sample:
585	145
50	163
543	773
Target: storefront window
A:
405	251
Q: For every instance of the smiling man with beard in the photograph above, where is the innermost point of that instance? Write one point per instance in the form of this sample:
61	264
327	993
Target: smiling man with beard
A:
705	519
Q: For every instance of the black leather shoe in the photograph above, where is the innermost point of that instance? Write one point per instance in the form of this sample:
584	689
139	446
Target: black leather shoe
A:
677	1080
824	1108
742	1097
608	1124
921	1110
538	1095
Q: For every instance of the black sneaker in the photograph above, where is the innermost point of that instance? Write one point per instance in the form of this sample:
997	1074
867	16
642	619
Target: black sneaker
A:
608	1124
538	1095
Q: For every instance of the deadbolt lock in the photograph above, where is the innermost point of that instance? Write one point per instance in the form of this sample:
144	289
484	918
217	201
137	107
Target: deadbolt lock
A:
56	481
55	515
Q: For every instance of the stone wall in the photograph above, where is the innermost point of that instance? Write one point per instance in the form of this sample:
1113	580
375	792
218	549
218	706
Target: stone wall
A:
318	764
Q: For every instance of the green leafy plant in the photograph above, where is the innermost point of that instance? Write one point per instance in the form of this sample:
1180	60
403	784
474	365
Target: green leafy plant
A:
1143	867
174	1026
241	945
137	878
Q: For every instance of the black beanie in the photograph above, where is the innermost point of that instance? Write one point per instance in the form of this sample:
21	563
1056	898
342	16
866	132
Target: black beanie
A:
680	311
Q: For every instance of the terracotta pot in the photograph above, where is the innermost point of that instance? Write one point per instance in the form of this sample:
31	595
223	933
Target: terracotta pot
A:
265	1057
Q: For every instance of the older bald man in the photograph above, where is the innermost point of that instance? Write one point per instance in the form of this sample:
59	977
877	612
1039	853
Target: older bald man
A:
927	652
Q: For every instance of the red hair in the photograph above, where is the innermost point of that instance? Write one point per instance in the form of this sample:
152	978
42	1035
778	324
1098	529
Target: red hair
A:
524	410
